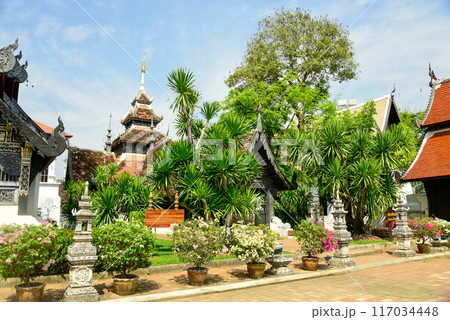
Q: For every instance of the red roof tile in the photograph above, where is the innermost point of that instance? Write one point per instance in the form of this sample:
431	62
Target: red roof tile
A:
433	159
84	161
439	112
48	130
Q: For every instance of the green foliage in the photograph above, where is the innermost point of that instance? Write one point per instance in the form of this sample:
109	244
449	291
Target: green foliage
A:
26	250
73	190
345	153
313	50
314	239
198	241
252	243
123	246
121	196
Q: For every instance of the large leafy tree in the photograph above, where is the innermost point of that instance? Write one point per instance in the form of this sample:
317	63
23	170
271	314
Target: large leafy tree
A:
297	47
288	67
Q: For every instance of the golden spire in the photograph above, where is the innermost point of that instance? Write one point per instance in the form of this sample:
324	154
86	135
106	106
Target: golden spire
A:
143	65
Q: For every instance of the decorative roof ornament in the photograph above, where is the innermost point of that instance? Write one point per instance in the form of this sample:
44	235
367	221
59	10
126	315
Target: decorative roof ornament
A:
108	142
7	59
141	88
393	91
433	77
259	123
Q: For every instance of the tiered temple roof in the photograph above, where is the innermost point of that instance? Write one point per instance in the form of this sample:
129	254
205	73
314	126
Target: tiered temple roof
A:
432	162
433	159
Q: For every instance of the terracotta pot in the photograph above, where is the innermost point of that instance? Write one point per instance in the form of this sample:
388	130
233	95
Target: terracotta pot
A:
424	248
256	269
31	293
447	244
126	285
310	264
197	276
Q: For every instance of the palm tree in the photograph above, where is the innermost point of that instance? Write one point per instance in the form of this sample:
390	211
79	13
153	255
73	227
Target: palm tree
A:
208	111
181	81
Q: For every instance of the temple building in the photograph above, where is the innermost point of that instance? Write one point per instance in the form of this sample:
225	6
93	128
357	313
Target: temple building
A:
386	111
27	147
272	179
133	150
432	163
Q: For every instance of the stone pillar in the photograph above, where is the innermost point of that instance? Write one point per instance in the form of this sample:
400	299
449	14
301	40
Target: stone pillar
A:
402	232
82	255
341	257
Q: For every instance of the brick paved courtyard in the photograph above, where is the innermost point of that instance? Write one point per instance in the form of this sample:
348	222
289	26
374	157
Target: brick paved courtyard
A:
427	280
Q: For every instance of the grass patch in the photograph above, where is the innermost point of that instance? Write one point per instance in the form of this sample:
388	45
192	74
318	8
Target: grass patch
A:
163	254
368	241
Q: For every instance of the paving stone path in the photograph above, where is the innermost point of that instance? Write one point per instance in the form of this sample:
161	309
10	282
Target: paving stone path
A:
427	280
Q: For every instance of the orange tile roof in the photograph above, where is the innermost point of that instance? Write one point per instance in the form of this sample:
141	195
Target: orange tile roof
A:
48	130
433	158
438	111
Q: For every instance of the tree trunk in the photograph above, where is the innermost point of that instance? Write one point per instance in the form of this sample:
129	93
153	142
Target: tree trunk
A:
189	131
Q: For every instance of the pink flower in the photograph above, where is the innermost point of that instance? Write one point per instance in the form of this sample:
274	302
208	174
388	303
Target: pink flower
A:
8	261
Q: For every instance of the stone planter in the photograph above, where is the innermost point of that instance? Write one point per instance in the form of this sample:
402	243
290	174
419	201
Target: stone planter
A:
197	276
256	269
310	264
126	285
447	244
424	248
279	265
31	293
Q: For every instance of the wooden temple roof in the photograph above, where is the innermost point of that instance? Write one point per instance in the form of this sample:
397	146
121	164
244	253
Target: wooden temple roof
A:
438	110
260	148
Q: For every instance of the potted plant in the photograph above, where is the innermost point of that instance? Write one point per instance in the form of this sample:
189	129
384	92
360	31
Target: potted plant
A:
122	247
198	241
313	240
252	244
445	229
25	252
424	229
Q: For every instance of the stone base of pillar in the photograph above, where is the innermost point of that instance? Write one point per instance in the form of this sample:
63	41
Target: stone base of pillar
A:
83	294
438	249
404	253
342	262
279	271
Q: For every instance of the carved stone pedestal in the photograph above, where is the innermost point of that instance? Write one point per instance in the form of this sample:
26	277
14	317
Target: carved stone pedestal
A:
439	246
81	256
279	266
402	232
341	257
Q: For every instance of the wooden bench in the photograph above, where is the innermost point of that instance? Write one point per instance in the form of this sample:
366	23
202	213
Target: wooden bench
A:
163	218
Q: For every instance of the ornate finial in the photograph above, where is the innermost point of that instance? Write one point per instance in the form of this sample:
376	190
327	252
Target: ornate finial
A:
108	142
143	65
141	88
393	91
259	123
176	200
7	58
432	75
86	189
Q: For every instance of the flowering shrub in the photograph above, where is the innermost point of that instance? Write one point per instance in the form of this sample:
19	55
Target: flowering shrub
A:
123	246
444	227
252	243
198	241
64	238
314	239
25	250
425	229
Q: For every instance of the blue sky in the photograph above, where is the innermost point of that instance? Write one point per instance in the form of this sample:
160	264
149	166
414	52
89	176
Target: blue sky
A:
77	70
